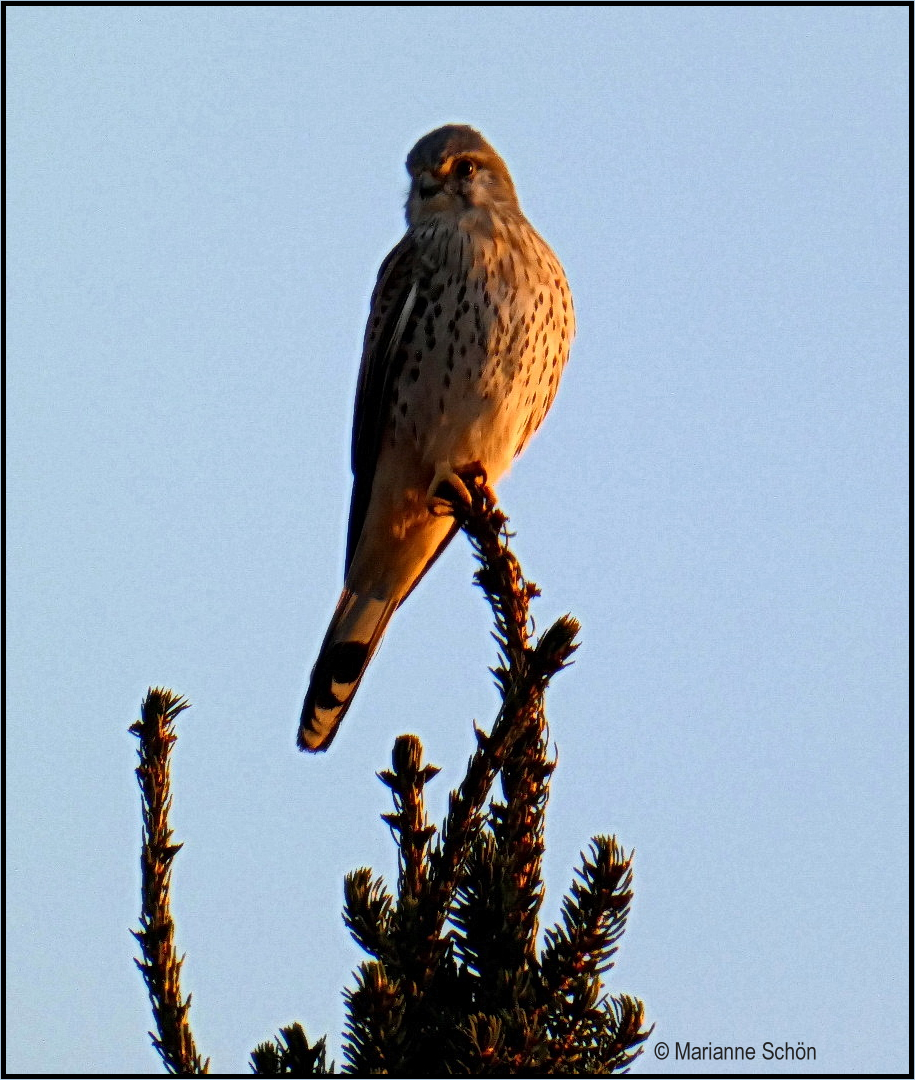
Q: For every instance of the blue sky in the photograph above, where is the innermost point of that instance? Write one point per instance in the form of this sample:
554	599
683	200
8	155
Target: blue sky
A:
198	202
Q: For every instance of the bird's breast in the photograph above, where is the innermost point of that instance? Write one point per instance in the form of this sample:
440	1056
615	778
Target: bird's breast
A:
483	348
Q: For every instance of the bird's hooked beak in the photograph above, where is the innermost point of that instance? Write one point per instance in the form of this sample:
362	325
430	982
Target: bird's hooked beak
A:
427	185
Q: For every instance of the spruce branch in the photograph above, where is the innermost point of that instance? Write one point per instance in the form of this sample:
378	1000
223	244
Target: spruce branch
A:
580	949
375	1033
459	987
409	824
456	984
160	964
593	917
367	907
499	919
521	677
291	1055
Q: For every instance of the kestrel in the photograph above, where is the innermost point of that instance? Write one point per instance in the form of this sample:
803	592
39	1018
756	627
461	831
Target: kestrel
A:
468	333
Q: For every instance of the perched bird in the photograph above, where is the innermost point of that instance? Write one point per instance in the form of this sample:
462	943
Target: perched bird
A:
469	329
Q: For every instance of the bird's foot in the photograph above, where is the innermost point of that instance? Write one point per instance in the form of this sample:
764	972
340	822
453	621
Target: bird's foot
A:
452	489
474	477
446	491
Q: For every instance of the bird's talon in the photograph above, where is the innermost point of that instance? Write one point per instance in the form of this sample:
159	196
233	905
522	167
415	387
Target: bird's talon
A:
475	476
440	507
475	473
446	491
451	490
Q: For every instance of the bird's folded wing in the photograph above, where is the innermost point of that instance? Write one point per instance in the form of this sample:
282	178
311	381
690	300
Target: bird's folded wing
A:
392	307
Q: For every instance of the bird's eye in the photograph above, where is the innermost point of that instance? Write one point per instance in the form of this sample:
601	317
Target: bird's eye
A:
464	168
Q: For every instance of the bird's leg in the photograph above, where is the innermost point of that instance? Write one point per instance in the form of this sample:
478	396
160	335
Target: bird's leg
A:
450	488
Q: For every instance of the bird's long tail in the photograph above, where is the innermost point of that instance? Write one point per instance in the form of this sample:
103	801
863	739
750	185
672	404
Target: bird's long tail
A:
351	640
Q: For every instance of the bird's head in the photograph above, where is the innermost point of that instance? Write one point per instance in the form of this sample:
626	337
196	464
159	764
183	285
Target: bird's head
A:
454	169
